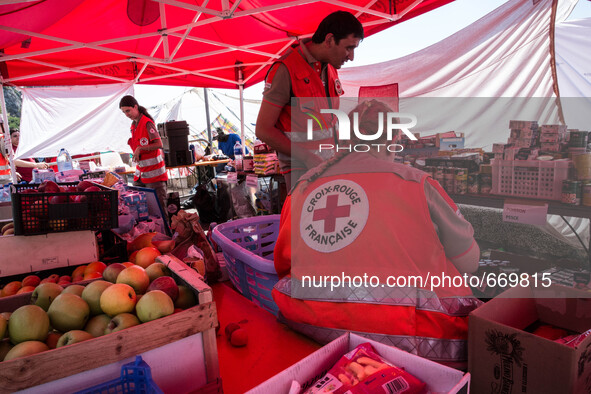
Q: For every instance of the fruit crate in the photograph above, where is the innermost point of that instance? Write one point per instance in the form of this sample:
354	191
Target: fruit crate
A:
136	377
530	178
42	213
247	245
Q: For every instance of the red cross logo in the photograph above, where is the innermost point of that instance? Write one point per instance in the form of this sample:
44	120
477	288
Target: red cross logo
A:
331	212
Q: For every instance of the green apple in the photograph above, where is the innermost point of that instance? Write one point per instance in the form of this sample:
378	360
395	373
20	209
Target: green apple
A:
73	336
5	347
45	293
112	271
120	322
186	298
118	298
136	277
68	312
154	305
97	325
92	295
74	289
157	270
24	349
28	323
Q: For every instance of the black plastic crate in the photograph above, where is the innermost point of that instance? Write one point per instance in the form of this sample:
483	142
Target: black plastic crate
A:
42	213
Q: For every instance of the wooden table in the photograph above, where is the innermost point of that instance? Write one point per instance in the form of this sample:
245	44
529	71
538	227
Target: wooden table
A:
272	346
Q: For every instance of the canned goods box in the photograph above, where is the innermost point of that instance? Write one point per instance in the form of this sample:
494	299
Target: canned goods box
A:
503	357
180	349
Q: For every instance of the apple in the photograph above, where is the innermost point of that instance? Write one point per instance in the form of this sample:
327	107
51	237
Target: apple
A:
45	293
93	189
95	266
136	277
53	278
52	339
128	264
25	349
25	289
72	337
92	275
132	256
11	288
68	312
167	285
146	256
92	295
230	328
31	280
62	199
80	198
3	327
28	323
141	241
83	185
97	325
112	271
239	338
5	347
154	305
120	322
164	246
79	271
118	298
74	289
48	186
186	298
64	278
157	270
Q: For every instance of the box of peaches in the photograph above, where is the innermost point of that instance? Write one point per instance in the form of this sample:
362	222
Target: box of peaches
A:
64	336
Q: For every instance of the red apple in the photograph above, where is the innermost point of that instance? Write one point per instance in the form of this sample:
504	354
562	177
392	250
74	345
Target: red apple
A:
83	185
58	199
112	271
167	285
146	256
53	278
31	280
50	187
93	189
239	338
164	246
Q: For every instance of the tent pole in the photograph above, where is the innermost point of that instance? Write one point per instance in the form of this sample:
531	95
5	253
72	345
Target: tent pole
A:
7	140
242	117
207	119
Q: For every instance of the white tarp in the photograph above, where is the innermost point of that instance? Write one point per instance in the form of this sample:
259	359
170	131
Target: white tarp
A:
504	54
190	106
81	119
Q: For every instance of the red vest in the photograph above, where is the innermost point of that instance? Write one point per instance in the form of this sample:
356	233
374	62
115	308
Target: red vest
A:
375	224
311	96
151	166
4	168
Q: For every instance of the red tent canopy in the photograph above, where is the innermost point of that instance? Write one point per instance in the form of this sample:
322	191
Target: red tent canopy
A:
168	42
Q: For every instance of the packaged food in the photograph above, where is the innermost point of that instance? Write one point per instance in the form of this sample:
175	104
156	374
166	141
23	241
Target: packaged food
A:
362	370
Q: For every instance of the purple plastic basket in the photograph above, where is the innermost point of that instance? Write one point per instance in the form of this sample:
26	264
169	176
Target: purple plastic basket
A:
247	245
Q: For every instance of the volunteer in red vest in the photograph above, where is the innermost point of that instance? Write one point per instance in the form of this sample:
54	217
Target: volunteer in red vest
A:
24	167
360	240
146	145
298	85
5	176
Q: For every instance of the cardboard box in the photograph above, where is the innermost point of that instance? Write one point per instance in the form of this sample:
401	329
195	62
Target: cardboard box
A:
180	349
46	251
439	378
503	358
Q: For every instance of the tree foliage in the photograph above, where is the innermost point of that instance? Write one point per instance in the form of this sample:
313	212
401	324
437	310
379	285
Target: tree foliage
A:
14	103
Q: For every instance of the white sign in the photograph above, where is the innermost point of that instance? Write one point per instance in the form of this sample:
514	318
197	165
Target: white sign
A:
252	181
232	178
525	213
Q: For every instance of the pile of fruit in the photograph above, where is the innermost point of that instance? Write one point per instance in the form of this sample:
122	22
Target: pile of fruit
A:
63	314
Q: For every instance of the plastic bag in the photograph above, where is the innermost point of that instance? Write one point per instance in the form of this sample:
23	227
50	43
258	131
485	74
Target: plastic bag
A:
362	370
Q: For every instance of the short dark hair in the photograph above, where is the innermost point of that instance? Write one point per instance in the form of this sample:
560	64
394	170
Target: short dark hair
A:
12	131
340	24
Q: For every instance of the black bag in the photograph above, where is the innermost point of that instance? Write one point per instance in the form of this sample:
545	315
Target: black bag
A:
204	201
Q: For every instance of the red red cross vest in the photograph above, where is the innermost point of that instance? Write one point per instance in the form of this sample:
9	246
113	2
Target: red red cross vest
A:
307	86
4	168
151	166
375	224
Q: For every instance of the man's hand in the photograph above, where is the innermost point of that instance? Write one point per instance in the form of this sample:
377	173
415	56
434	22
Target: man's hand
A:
43	165
136	154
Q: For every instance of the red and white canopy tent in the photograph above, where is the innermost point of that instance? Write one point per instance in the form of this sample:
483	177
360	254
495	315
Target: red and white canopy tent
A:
207	43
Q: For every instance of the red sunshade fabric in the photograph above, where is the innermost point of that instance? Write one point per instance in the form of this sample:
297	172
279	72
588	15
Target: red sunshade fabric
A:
168	42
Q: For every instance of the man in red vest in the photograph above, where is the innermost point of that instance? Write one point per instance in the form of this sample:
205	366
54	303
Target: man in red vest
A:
364	245
301	83
147	149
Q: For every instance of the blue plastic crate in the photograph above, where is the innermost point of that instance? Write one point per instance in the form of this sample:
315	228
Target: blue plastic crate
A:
136	377
247	245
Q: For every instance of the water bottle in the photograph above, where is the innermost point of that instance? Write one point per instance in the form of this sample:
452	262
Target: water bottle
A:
64	161
238	156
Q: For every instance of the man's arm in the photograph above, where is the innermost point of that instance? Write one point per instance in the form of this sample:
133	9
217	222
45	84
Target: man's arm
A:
30	164
276	139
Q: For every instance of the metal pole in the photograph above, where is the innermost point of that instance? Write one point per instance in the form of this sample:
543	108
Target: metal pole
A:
242	115
207	119
7	140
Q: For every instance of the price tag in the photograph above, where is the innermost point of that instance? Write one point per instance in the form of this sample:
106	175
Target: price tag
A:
526	213
50	261
252	181
232	178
